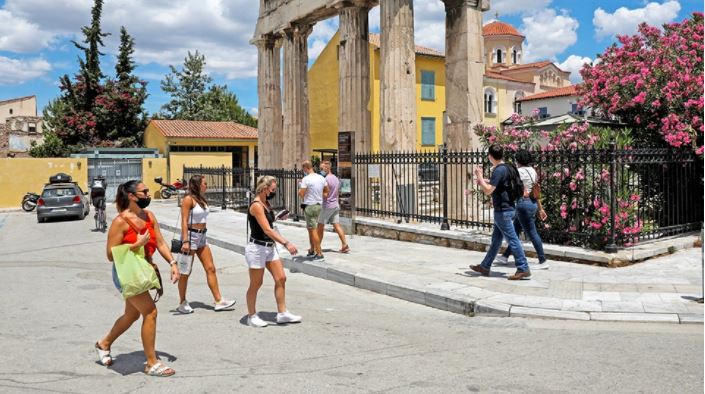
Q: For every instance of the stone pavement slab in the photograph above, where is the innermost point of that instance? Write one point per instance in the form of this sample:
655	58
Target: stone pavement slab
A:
439	277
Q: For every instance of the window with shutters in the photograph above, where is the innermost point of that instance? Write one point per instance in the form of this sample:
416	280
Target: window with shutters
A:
428	85
428	131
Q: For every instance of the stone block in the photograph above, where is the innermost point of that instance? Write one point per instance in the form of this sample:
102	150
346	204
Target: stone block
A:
518	311
586	255
313	269
371	284
540	302
406	293
664	307
690	318
491	308
622	306
340	276
601	296
582	306
635	317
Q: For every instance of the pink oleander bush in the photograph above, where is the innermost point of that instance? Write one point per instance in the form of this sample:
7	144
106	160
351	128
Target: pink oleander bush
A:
653	81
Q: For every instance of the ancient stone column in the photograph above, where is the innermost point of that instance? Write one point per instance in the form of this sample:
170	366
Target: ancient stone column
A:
464	94
269	125
354	76
398	76
464	70
296	145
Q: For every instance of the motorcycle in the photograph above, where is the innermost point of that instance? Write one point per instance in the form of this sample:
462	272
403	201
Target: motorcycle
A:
29	201
167	190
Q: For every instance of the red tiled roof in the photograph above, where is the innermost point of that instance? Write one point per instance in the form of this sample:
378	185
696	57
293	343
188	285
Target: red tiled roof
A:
204	129
498	28
496	75
374	40
558	92
8	101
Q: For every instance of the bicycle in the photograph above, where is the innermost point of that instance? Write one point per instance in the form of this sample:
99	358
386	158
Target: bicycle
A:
101	223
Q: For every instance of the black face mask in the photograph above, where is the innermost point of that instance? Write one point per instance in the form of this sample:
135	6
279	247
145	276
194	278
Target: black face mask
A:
271	195
143	202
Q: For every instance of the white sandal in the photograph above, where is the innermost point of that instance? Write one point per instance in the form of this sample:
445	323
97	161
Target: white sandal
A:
104	356
159	369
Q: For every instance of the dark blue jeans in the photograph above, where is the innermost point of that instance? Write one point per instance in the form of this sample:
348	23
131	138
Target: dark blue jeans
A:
526	220
504	228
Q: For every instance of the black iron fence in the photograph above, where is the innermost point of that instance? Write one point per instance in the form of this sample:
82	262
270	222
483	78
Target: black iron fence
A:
595	198
233	187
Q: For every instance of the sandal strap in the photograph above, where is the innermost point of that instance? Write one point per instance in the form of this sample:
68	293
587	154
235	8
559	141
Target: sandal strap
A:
157	369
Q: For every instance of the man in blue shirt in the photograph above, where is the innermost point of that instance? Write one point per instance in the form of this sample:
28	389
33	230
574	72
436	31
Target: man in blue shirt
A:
499	187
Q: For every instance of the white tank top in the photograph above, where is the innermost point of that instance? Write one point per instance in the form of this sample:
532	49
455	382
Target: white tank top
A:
198	214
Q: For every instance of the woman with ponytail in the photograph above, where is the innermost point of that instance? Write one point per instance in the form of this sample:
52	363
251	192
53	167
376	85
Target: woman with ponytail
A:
194	215
137	227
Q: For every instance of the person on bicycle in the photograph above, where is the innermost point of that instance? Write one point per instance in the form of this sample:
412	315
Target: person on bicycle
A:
98	187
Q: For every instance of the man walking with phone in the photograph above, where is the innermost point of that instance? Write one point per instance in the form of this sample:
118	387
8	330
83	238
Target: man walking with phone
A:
330	212
311	191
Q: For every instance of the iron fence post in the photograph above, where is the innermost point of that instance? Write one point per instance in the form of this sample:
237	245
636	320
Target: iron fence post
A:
296	193
224	205
612	245
444	153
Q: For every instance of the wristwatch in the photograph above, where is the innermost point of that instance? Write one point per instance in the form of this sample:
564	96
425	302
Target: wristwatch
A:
172	262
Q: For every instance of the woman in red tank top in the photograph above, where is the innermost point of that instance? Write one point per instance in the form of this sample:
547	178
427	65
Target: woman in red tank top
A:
137	227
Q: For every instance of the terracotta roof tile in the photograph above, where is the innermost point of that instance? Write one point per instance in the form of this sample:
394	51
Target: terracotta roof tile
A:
540	64
498	28
558	92
375	40
204	129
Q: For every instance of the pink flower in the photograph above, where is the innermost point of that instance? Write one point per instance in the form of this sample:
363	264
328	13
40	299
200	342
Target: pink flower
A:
572	186
596	225
635	197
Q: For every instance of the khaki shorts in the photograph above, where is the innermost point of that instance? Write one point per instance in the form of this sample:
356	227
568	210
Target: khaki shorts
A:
311	214
329	216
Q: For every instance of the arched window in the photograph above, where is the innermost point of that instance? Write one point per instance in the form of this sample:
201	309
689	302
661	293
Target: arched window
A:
490	101
515	58
499	56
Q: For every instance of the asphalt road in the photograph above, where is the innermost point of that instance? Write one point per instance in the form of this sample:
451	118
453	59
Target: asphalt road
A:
58	299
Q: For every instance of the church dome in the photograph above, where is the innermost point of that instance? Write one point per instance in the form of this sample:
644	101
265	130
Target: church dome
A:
498	28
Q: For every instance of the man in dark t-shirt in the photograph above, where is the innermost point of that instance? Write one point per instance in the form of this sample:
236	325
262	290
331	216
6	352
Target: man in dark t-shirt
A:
499	187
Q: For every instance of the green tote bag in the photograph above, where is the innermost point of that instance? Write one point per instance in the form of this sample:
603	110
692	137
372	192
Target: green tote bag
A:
135	273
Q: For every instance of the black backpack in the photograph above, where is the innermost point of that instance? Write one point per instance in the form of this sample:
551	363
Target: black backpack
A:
516	185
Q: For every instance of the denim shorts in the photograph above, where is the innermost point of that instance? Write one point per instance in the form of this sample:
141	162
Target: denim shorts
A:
198	240
257	256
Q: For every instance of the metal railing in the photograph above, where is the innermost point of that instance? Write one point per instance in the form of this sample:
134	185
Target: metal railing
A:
595	198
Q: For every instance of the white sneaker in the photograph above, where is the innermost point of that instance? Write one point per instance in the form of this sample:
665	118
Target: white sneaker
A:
223	304
255	321
540	266
184	308
501	260
287	317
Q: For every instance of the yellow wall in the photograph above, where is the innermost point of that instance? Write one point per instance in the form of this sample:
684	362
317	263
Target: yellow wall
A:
323	85
153	138
152	168
21	175
177	160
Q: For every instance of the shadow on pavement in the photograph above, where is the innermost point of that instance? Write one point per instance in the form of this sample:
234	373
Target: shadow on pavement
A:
131	363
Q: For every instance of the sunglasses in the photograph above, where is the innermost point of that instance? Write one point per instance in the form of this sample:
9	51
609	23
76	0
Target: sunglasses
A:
145	191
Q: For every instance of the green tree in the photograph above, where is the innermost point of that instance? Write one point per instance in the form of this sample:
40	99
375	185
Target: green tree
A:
194	98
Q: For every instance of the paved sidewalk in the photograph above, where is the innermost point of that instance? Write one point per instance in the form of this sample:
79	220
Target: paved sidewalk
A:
439	277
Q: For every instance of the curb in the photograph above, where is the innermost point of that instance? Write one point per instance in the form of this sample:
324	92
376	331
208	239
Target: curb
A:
468	300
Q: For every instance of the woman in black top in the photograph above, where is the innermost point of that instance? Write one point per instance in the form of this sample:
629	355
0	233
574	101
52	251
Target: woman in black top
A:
261	253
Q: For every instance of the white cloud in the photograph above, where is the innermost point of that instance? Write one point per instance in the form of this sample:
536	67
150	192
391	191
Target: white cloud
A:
626	21
429	24
548	34
321	34
574	64
19	35
17	72
220	29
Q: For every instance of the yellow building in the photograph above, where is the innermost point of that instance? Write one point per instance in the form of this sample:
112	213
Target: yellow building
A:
506	81
202	143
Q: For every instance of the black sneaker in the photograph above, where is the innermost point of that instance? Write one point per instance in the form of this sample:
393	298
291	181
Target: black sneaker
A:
310	253
318	257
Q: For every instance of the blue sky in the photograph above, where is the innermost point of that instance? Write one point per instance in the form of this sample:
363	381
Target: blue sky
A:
36	49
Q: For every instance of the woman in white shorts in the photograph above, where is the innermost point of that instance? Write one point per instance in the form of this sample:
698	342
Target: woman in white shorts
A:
261	253
194	215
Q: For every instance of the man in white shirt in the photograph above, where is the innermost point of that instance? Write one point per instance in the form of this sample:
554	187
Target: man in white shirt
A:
313	187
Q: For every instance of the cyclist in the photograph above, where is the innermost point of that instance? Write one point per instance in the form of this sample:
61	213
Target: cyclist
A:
98	187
